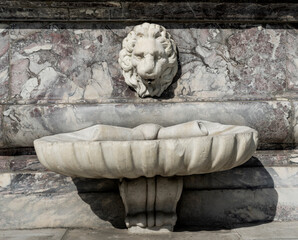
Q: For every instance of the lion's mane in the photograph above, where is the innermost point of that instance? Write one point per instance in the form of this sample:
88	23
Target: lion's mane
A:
125	59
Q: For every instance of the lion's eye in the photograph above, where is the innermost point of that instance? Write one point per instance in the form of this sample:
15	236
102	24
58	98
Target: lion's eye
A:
140	55
157	56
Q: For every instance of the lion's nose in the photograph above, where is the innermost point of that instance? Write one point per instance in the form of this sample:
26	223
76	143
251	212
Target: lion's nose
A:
149	64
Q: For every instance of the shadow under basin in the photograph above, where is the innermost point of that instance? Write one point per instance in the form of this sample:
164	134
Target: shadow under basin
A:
221	200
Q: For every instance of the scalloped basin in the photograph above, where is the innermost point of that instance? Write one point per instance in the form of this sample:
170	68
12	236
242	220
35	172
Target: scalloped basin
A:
103	151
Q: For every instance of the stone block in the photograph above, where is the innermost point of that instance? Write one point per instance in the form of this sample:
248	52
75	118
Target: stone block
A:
296	124
228	64
1	126
212	11
64	62
94	210
25	123
5	163
79	234
4	62
49	182
25	163
243	178
229	207
84	13
17	151
274	230
237	178
292	58
219	11
160	10
34	234
255	11
33	13
270	158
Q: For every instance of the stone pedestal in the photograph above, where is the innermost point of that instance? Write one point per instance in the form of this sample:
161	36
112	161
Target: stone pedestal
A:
150	203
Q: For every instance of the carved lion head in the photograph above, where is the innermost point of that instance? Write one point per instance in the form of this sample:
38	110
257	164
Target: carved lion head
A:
148	59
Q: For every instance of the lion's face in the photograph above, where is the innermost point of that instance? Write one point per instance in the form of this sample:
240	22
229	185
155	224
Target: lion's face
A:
148	59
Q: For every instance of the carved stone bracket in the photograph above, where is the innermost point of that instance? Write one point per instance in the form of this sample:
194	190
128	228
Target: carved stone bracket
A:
151	202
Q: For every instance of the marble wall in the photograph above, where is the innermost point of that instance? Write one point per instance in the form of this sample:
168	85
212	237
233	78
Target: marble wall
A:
59	77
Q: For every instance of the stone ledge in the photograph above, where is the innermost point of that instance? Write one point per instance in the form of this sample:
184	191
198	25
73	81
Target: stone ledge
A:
267	169
256	231
237	178
200	11
22	124
10	163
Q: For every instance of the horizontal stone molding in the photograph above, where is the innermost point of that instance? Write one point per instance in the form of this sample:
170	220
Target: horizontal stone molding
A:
12	163
238	178
24	123
201	11
266	169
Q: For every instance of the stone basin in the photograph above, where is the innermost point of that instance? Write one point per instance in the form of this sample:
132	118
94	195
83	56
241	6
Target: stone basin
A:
103	151
148	160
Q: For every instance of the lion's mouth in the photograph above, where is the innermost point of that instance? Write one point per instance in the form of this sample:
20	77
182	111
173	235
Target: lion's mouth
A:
149	80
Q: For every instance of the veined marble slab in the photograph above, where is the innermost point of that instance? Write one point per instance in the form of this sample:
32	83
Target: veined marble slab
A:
4	62
238	178
75	63
25	123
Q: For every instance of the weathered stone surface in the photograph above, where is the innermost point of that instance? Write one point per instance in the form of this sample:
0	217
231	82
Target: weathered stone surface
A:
61	210
257	231
33	234
292	58
196	208
64	62
125	235
274	230
238	178
296	124
257	177
17	151
215	10
22	163
49	182
1	127
4	163
294	157
4	62
30	163
24	123
56	3
89	13
70	63
223	11
270	158
25	163
32	13
228	207
231	64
